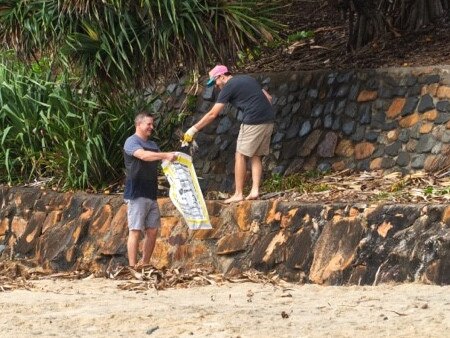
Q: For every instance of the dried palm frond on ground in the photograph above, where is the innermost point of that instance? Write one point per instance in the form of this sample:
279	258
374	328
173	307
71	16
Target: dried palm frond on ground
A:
17	274
13	275
148	277
346	187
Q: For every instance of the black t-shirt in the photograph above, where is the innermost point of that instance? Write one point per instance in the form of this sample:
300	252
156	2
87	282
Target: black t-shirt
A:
245	94
142	176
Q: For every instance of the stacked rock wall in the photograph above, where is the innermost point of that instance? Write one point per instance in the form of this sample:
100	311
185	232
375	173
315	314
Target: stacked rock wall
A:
388	119
391	119
325	244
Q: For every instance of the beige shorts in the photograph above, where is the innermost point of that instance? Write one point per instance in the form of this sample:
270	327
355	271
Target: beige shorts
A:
254	139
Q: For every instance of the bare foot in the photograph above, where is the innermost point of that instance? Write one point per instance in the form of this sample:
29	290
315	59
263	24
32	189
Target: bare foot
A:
234	198
252	196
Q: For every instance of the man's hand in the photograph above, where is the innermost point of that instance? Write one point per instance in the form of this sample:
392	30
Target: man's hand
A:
171	157
189	135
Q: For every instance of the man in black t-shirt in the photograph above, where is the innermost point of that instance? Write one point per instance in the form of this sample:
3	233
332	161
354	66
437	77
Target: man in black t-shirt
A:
141	186
247	95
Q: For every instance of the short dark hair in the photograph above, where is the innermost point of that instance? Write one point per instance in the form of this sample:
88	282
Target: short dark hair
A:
142	115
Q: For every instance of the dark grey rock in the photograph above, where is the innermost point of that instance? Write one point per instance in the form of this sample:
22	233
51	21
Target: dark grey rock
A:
429	79
387	162
157	105
411	80
378	120
425	144
329	107
372	84
305	129
442	118
290	148
403	135
296	107
379	151
343	91
327	147
293	87
390	125
282	100
331	78
414	90
345	77
278	170
354	91
224	125
348	127
351	109
426	103
286	110
283	89
302	94
418	161
365	113
410	106
295	166
403	159
224	145
278	137
328	121
363	165
386	92
393	148
340	107
400	91
372	135
313	93
293	130
317	110
443	106
324	167
337	123
359	134
204	107
208	94
171	88
317	123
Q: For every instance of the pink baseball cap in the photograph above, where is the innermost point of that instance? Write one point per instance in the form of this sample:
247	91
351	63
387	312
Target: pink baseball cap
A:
215	72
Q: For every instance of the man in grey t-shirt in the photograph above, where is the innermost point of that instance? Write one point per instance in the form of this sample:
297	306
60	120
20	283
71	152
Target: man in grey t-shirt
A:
246	94
141	157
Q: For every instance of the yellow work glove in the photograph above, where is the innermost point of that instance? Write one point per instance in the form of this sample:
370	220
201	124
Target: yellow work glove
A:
189	135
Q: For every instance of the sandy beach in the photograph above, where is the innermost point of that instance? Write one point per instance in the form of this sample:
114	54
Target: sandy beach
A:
97	307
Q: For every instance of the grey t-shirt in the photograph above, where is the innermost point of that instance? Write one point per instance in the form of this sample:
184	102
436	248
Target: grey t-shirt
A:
245	94
142	176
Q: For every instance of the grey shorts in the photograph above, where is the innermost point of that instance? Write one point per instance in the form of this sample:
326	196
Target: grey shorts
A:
254	139
143	213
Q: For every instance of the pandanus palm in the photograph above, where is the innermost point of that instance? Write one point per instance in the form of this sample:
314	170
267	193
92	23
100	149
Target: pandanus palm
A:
52	125
120	41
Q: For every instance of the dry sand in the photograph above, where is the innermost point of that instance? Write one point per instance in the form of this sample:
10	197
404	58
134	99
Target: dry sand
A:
98	308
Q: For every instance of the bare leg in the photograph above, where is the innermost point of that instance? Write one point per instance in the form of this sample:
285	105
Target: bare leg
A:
256	164
239	178
132	246
149	244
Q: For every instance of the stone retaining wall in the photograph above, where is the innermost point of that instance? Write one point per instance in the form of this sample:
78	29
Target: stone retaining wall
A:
325	244
388	119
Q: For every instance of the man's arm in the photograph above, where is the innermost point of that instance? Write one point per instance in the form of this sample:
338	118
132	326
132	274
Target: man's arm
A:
269	97
209	116
147	155
204	121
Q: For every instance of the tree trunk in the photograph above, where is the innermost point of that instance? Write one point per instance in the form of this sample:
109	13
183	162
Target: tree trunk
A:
374	18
